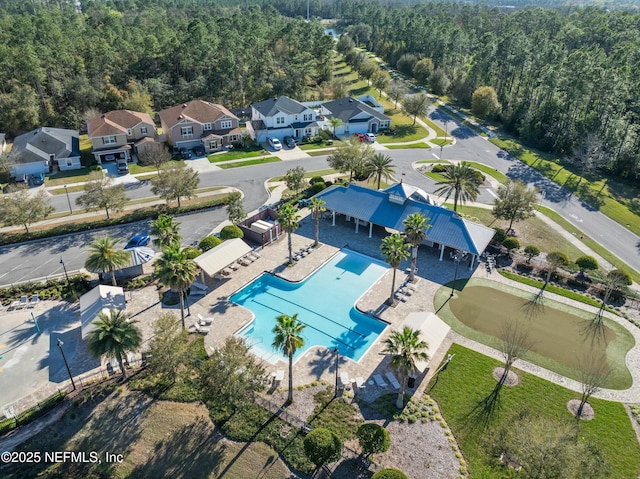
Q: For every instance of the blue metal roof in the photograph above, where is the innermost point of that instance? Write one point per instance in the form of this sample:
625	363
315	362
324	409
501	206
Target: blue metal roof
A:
371	205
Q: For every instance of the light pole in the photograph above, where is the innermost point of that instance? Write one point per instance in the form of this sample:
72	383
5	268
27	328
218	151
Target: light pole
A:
68	200
456	259
65	274
337	353
64	358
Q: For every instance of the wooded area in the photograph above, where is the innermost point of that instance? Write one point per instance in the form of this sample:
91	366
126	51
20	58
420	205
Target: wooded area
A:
57	66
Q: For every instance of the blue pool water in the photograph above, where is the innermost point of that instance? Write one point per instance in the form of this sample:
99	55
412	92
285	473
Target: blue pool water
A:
325	303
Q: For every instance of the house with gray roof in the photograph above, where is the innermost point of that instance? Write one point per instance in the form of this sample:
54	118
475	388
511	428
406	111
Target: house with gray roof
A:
45	150
363	115
388	208
280	117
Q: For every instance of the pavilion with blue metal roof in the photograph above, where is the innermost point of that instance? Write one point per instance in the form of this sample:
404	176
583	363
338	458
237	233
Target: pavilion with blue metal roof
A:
388	208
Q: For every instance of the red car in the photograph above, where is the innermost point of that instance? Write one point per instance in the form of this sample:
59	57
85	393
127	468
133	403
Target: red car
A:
359	136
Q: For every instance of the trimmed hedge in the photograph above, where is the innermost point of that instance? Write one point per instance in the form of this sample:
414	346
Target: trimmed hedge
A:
230	232
209	242
389	473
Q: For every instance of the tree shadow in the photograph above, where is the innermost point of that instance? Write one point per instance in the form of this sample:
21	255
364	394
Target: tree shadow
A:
534	307
481	416
594	330
405	130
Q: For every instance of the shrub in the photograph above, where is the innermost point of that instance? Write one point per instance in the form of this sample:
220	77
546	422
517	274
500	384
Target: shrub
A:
621	276
389	473
192	252
511	243
439	168
499	236
373	438
531	251
316	188
524	267
322	446
316	179
209	242
587	263
230	232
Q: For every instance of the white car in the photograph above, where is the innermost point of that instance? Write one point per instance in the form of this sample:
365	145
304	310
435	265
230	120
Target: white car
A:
275	144
371	138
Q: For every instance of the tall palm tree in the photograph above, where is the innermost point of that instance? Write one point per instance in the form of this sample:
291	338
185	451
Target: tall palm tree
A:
317	208
177	270
462	181
415	230
380	166
394	250
405	348
114	336
105	257
289	220
288	339
165	231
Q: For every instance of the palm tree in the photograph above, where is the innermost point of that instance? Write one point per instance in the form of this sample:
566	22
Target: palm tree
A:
379	166
288	339
165	231
394	250
114	336
104	257
317	208
405	348
177	271
335	122
288	218
462	181
415	230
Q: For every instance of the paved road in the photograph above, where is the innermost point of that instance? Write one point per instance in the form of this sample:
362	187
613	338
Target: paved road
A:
41	259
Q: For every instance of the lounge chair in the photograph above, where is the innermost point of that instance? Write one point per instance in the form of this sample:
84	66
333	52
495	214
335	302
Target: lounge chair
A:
278	375
255	253
219	277
35	299
344	379
409	285
201	329
227	271
204	321
392	379
379	381
14	305
253	256
244	262
360	382
198	285
24	301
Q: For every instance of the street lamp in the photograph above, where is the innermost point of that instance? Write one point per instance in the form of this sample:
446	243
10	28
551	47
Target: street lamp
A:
337	353
65	274
68	200
64	358
457	257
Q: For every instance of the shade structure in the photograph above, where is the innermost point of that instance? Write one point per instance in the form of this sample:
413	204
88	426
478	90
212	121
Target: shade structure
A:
141	255
218	258
100	299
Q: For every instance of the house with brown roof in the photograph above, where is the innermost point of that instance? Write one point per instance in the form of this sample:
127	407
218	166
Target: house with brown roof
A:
119	133
200	123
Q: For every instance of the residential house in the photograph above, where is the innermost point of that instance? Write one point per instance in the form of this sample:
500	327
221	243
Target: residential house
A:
119	133
200	123
364	115
45	150
280	117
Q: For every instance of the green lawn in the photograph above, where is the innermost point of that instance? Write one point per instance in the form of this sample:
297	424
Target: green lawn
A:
467	381
308	174
323	144
238	154
412	145
607	195
68	177
268	159
441	141
498	175
135	168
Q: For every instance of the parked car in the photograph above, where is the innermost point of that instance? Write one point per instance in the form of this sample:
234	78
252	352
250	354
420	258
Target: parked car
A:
21	179
359	136
198	150
185	154
290	142
275	143
37	179
371	138
138	240
123	168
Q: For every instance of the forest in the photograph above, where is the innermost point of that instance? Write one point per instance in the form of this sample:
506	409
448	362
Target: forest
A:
59	66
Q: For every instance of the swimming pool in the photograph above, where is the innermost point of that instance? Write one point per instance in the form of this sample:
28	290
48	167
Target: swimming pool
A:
325	303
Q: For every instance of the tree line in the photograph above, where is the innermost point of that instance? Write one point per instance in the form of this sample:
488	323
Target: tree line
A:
559	75
58	66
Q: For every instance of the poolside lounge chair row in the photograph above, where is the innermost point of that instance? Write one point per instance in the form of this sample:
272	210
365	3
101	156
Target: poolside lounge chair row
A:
302	252
25	302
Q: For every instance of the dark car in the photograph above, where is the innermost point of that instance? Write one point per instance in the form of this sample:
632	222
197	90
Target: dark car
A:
138	240
198	150
185	154
289	141
37	179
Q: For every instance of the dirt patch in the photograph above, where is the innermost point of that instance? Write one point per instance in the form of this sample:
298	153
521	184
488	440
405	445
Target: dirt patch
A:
512	378
587	411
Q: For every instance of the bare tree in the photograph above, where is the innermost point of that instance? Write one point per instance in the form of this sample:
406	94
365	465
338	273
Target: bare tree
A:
155	154
396	91
588	155
416	105
615	279
593	374
515	343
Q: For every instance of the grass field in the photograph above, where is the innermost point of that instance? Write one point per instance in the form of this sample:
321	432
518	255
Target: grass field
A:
412	145
467	382
237	155
238	164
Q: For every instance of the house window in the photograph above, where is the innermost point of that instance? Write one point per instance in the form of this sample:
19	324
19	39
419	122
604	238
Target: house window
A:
129	132
233	138
309	132
109	140
187	131
143	130
308	117
213	145
280	120
295	118
69	162
207	127
226	124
